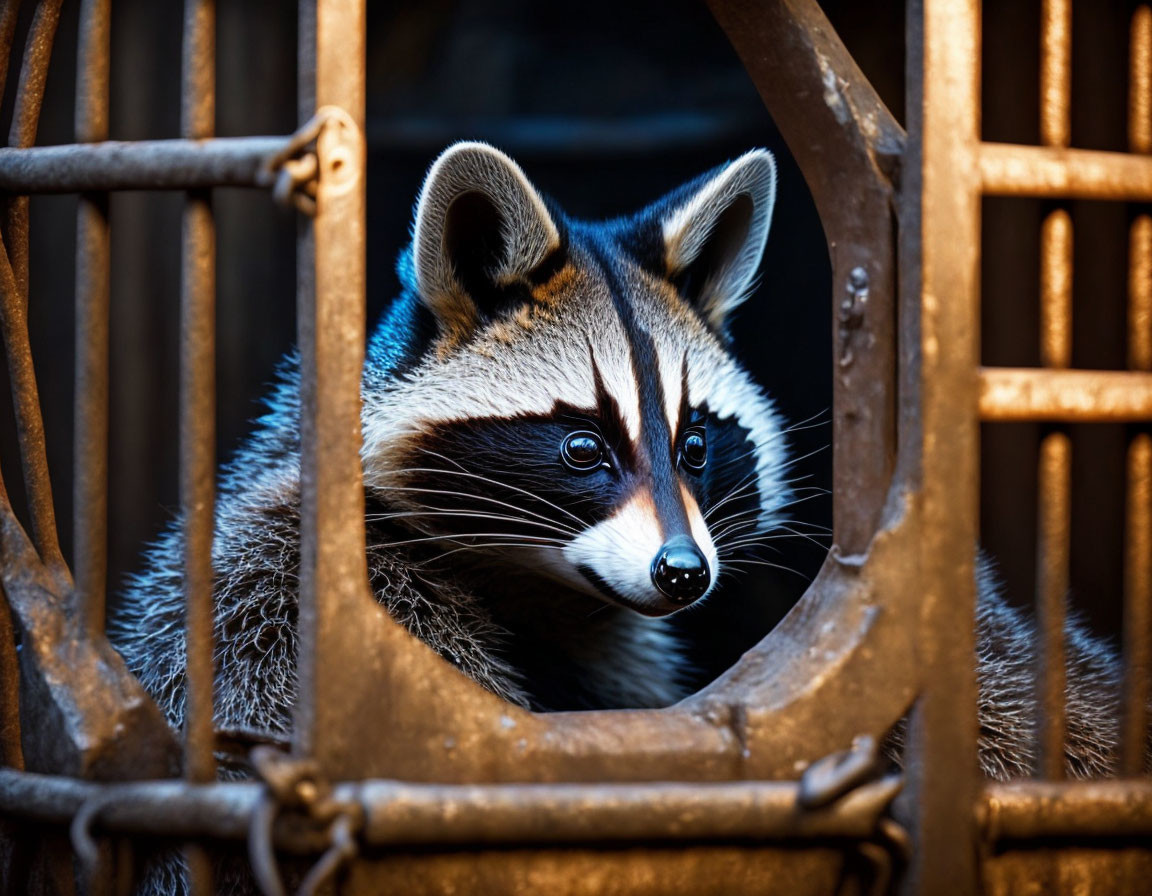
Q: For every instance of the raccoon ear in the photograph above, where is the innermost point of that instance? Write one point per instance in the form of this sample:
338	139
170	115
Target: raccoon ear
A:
714	237
480	227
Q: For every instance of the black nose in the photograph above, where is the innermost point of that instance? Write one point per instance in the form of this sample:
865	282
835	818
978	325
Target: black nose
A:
680	570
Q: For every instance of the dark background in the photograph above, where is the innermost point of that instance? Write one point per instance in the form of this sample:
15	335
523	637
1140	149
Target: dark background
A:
606	106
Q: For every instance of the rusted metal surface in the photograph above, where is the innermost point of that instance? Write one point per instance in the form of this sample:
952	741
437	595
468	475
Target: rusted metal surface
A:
22	133
93	293
397	814
849	147
141	165
1026	810
1073	396
334	702
198	421
943	102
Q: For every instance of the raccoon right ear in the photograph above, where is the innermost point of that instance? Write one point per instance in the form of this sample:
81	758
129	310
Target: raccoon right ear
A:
480	227
715	231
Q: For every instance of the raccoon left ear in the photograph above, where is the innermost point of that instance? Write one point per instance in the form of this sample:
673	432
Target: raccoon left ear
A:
480	228
714	239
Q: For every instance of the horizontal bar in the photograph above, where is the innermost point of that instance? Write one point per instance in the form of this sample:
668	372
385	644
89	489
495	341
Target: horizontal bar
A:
1071	396
437	814
1016	170
139	165
1024	810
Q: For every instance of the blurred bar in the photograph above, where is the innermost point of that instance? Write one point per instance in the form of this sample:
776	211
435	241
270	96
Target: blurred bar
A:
14	294
1054	480
25	120
331	334
1070	810
1016	395
1010	170
1056	72
1137	627
139	165
1054	477
198	418
93	288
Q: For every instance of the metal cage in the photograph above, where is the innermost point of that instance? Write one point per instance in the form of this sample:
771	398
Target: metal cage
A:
764	781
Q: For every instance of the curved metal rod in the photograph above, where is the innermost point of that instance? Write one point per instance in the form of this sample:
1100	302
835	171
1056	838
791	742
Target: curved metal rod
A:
849	148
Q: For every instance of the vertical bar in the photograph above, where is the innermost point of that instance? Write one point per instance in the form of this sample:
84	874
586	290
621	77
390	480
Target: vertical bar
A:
93	288
198	417
331	325
1137	626
943	109
14	283
1056	72
1054	465
25	120
1054	478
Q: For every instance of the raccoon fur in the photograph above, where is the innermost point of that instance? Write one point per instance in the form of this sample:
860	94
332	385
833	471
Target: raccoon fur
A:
550	407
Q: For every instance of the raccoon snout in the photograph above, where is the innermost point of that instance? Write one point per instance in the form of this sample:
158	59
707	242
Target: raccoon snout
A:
680	570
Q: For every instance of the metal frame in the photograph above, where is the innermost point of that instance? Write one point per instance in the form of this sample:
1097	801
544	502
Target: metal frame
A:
884	630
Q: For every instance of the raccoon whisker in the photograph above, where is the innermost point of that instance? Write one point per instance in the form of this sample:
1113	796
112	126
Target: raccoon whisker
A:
792	462
496	544
815	527
809	422
496	482
495	517
471	496
779	566
732	530
761	539
455	538
743	485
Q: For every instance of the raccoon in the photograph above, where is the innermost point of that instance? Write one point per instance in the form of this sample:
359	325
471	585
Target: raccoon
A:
550	407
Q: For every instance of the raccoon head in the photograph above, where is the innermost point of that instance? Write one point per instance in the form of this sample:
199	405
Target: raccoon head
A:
572	411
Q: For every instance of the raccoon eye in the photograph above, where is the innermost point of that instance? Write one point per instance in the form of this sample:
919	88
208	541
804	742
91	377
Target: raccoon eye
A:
582	450
694	450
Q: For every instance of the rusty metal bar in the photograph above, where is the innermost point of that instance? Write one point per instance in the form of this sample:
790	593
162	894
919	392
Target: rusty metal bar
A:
331	326
9	13
1137	607
1011	170
198	419
22	134
1009	394
29	422
401	814
1137	627
1029	810
93	291
850	149
139	165
14	295
1056	72
1054	472
1140	81
1053	537
943	41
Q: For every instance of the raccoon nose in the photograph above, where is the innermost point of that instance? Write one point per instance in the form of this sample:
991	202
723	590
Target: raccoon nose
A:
680	571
